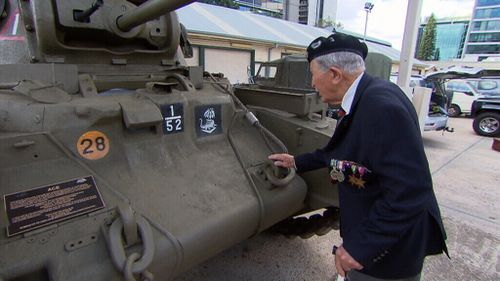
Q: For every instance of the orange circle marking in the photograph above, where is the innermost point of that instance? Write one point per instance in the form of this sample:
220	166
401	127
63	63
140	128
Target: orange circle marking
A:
93	145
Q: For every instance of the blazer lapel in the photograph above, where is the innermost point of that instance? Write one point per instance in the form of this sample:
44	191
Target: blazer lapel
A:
345	121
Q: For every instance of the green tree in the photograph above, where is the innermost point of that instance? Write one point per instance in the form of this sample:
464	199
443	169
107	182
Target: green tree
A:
328	22
428	42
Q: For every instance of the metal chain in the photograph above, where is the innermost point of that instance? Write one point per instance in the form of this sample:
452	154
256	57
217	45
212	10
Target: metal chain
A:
127	270
135	263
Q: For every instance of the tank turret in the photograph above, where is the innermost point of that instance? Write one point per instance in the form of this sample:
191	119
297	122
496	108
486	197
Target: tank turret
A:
96	31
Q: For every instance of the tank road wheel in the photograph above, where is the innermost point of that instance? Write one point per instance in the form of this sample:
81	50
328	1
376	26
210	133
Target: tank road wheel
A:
454	110
318	224
487	124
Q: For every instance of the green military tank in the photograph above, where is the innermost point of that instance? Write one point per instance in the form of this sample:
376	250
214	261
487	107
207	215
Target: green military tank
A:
119	161
282	98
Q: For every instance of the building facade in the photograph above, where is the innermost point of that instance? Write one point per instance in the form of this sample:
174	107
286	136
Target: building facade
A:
314	12
309	12
450	38
483	40
271	8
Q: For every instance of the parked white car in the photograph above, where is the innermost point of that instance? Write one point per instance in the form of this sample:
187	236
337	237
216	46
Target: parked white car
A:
487	87
437	118
464	92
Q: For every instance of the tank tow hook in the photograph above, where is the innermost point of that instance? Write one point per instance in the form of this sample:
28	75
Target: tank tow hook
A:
278	176
137	233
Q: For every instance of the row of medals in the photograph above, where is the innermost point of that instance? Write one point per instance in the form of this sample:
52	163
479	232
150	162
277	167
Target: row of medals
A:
338	168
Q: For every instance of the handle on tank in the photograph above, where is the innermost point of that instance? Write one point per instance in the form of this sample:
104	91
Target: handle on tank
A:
278	176
85	15
147	11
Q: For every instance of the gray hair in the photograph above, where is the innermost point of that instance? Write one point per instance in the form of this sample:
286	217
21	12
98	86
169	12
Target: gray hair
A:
348	62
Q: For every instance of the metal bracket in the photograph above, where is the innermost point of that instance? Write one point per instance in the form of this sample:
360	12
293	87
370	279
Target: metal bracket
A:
81	242
87	86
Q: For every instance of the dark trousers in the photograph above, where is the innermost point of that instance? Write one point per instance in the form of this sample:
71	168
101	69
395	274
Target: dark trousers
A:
354	275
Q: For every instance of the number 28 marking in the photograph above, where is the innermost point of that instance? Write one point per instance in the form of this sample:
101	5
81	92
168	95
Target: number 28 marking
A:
93	145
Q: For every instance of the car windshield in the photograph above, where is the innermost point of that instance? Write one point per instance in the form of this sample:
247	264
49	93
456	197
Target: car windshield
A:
487	85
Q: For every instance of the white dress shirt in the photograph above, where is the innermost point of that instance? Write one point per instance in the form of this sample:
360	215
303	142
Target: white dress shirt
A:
349	95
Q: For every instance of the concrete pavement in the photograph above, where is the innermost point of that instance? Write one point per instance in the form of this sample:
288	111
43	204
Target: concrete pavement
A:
466	175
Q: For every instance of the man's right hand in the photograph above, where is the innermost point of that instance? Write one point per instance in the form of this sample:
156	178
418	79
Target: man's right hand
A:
344	262
283	160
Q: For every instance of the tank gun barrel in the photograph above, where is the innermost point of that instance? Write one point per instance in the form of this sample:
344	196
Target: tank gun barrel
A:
148	11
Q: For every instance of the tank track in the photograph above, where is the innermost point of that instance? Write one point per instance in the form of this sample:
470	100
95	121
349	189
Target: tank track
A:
306	227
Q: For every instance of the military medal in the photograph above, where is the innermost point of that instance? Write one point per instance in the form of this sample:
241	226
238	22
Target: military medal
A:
336	173
358	182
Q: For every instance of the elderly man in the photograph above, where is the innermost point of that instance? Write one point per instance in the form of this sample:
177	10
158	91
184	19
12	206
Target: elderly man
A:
390	218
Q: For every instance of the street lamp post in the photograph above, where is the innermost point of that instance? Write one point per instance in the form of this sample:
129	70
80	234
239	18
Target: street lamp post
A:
368	9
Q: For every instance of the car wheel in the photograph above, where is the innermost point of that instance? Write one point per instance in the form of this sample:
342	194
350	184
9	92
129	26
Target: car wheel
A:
453	110
487	124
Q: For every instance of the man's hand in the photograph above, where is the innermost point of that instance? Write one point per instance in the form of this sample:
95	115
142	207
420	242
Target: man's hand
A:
283	160
344	262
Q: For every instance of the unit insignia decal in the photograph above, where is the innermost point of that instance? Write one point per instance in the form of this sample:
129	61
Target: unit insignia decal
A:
208	120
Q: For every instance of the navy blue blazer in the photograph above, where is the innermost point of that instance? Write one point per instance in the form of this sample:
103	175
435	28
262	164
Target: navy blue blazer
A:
389	216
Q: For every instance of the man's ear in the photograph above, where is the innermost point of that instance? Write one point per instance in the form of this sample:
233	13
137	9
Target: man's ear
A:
335	74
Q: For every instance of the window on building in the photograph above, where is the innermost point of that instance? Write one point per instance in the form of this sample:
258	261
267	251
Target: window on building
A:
481	3
450	38
483	49
486	25
485	37
487	13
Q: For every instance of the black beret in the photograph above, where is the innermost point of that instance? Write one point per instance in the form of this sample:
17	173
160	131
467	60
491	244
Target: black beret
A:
337	42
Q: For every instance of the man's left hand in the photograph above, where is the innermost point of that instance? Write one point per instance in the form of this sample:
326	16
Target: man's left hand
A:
344	262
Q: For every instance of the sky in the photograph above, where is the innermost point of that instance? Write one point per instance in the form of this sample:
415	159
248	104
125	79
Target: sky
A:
387	19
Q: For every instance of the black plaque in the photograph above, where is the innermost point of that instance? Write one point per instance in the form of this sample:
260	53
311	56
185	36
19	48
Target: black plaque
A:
42	206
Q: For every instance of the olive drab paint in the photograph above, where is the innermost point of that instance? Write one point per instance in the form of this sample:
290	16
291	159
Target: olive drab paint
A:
100	90
115	153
